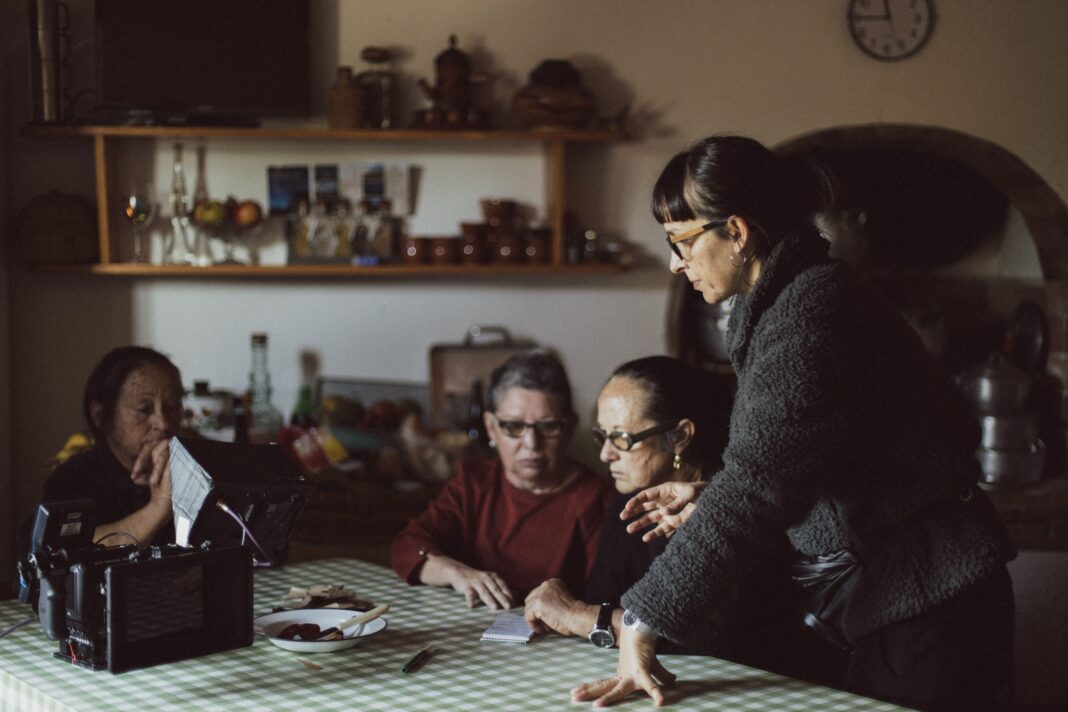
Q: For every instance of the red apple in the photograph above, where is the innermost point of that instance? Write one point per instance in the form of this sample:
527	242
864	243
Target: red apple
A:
246	214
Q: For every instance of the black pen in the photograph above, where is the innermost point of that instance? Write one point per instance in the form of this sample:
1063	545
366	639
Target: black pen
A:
418	659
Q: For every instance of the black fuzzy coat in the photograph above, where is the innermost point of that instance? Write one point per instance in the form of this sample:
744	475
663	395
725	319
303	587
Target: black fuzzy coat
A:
845	434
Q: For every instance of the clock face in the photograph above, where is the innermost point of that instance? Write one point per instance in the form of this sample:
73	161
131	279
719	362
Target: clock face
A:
890	29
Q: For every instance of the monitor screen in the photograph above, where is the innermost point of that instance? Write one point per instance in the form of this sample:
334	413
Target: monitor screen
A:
244	58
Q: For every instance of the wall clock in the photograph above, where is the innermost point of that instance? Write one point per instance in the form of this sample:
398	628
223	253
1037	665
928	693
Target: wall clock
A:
891	30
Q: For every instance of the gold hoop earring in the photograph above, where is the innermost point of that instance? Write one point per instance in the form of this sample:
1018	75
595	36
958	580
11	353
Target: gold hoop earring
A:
677	463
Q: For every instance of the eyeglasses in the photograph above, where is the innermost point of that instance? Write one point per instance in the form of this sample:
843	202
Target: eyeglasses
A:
674	240
625	441
544	428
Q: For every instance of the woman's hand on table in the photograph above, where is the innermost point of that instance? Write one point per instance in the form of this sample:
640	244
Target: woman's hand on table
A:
551	606
668	506
638	669
475	585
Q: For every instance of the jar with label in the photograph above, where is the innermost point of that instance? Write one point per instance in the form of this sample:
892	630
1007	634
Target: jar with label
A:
472	243
537	249
444	250
416	250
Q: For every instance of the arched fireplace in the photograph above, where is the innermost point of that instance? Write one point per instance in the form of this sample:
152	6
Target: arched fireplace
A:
955	230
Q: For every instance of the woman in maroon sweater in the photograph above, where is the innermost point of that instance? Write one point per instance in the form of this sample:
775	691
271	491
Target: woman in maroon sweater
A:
501	526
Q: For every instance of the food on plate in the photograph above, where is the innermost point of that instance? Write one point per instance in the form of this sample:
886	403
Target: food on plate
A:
299	631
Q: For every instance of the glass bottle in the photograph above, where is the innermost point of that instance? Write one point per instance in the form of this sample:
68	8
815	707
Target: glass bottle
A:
476	424
180	212
304	412
240	415
265	418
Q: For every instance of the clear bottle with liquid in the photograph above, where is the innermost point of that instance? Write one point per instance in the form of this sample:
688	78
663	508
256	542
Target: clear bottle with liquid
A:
177	240
265	419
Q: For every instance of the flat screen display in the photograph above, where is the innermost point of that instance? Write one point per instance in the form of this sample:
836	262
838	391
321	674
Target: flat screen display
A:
244	58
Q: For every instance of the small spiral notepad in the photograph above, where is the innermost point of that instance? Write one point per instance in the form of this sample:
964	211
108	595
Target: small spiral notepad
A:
508	628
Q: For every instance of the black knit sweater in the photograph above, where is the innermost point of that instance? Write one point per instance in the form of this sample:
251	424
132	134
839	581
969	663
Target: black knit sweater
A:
845	434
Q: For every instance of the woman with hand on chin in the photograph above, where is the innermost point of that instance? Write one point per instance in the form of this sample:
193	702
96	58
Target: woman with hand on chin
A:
847	438
502	525
133	406
659	420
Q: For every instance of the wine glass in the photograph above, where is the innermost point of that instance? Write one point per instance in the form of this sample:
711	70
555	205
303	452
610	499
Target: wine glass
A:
140	209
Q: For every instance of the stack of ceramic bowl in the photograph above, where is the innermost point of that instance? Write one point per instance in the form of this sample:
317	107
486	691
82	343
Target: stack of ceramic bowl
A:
1010	451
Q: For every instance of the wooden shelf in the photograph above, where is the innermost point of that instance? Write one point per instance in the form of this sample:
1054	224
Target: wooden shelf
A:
323	133
554	141
335	271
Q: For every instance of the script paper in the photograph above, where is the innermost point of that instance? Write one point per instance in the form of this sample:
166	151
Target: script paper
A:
508	628
190	485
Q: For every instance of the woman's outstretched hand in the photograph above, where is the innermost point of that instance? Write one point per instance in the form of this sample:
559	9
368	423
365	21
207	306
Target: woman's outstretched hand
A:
551	606
638	669
668	506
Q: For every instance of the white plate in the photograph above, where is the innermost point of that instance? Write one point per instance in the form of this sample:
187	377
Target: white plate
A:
272	624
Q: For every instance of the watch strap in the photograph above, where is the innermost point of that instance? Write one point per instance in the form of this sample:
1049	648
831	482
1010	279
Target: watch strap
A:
604	616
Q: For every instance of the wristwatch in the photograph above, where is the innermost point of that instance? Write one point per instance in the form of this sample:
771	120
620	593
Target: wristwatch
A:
602	635
631	620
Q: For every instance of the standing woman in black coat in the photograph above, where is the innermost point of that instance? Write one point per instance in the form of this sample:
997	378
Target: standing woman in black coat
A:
847	437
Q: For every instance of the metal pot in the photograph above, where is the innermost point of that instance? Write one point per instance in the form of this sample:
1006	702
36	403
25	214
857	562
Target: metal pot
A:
1009	432
998	387
1018	467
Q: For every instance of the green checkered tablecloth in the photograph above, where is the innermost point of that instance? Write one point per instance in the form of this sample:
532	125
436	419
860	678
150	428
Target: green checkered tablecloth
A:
464	674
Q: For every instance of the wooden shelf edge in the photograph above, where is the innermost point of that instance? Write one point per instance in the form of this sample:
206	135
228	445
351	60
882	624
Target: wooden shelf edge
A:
316	132
320	271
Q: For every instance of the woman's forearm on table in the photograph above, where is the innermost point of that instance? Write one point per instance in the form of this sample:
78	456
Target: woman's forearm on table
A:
142	525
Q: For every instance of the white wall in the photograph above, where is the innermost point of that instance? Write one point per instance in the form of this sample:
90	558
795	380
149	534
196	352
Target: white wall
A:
768	68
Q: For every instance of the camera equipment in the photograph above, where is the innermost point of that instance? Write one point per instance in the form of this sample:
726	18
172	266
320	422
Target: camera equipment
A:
236	493
119	608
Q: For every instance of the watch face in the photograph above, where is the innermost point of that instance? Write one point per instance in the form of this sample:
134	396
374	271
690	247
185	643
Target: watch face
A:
890	29
630	619
602	638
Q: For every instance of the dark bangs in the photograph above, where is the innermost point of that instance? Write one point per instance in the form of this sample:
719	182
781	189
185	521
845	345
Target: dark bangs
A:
669	193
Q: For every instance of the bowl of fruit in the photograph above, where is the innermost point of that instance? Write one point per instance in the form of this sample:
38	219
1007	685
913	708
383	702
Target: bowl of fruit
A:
228	220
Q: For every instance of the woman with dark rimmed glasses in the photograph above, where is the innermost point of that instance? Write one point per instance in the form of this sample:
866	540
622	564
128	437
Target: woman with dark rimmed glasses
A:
502	525
846	437
659	419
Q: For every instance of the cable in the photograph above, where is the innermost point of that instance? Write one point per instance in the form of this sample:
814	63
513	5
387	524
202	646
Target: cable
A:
13	628
244	528
136	540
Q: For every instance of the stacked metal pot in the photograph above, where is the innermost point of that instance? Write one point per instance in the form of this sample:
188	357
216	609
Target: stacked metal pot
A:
1011	451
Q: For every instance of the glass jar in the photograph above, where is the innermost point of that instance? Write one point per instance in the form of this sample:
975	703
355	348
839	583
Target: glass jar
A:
376	89
416	250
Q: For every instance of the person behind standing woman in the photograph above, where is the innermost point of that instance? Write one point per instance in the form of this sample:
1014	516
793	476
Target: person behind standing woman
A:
133	407
846	436
502	525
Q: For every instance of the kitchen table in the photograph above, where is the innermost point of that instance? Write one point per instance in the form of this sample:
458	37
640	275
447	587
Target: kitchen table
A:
463	674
